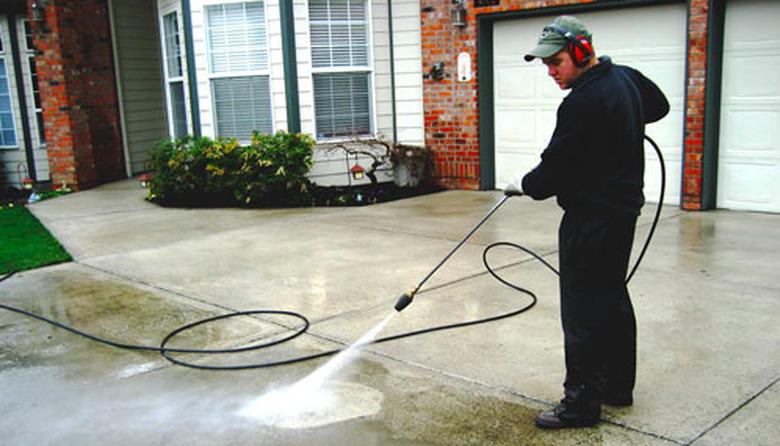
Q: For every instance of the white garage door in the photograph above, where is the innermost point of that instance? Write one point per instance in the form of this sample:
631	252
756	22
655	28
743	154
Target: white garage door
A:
749	158
650	39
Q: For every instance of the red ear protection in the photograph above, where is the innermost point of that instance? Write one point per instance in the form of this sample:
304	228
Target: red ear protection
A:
579	48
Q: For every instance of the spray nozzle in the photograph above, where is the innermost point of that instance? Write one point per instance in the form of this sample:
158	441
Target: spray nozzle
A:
403	301
511	190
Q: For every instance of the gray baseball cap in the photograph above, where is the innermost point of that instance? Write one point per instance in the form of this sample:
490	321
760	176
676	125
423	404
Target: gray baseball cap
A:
550	42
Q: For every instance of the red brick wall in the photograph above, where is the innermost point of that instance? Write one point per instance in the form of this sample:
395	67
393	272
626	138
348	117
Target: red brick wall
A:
695	104
78	93
451	108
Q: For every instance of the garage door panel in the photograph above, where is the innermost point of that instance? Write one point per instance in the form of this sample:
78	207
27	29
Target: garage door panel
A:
659	54
639	28
751	131
653	179
516	82
545	125
666	74
746	79
749	152
668	137
512	165
515	126
747	181
756	21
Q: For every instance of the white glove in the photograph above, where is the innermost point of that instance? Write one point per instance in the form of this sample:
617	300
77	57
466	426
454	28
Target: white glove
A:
515	187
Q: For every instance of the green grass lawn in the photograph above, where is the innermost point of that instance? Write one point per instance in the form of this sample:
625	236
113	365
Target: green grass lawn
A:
25	243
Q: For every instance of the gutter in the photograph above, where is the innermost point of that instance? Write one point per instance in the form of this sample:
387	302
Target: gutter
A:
392	69
192	80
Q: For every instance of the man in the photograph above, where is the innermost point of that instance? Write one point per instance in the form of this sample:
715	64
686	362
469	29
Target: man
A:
594	166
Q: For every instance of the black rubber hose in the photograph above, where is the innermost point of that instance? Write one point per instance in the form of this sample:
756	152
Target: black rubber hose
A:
166	351
657	210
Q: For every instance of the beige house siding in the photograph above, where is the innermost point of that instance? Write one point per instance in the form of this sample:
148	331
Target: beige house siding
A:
140	82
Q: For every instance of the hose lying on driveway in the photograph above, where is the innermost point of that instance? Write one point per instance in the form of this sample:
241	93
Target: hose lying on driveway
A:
166	352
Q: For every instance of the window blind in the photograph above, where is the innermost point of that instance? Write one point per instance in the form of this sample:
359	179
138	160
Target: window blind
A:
237	39
7	127
179	109
339	33
341	102
242	104
172	45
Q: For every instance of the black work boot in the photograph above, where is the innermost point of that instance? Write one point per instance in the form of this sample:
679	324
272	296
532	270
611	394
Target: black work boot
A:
574	410
617	399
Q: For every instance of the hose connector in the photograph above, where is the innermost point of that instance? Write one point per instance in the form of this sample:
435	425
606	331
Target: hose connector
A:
404	301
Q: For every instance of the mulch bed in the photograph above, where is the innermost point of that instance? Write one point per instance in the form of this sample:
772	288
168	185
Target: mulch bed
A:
320	197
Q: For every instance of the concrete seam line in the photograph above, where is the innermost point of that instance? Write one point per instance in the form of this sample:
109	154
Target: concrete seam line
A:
179	294
733	411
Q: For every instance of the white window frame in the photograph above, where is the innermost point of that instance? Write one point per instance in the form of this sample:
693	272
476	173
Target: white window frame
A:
3	56
211	75
169	79
36	108
369	68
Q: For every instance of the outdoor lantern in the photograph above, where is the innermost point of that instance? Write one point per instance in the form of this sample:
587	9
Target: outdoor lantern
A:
458	14
38	9
27	183
145	179
357	172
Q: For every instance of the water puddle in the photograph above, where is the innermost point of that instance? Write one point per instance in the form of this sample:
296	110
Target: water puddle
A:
317	399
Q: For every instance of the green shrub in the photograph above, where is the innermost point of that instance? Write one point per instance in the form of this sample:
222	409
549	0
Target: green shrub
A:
271	170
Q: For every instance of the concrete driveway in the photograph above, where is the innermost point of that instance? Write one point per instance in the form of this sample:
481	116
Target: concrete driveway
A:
706	299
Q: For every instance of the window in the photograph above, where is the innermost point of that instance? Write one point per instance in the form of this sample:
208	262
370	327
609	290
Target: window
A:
37	101
238	69
28	37
174	75
341	72
37	109
7	126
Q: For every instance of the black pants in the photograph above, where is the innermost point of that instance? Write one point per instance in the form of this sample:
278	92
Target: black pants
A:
598	319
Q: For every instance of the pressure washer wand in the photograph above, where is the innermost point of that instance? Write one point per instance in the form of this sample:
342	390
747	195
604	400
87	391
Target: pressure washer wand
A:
407	297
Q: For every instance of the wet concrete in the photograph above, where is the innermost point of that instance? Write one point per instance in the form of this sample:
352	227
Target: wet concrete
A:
705	300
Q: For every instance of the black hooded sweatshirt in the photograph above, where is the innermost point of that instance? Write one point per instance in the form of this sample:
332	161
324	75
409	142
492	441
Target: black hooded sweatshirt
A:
595	159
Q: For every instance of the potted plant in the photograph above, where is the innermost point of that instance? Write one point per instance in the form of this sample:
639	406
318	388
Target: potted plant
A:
411	164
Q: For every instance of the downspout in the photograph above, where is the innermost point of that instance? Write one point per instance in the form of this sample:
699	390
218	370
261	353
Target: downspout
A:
287	17
486	106
119	94
392	69
716	18
20	93
192	78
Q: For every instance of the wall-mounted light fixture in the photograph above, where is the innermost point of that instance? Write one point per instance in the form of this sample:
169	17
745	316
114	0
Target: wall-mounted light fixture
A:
437	72
38	9
458	13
